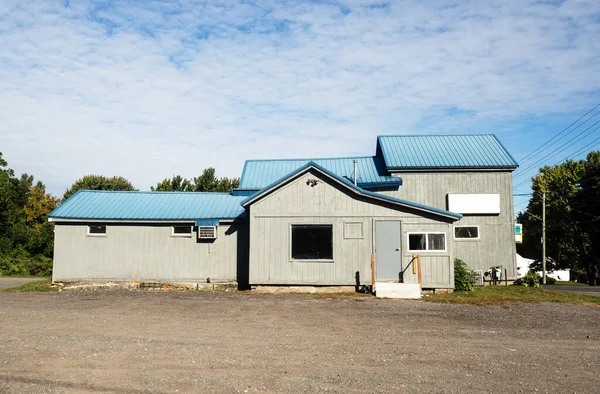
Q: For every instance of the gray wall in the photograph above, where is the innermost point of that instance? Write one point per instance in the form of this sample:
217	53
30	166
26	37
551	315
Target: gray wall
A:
131	252
496	245
328	203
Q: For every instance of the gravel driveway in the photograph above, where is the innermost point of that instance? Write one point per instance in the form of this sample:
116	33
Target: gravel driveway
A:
149	341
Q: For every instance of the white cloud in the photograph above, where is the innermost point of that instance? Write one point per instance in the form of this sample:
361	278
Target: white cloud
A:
151	89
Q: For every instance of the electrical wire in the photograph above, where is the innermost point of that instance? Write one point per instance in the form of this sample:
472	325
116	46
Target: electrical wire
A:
561	148
540	149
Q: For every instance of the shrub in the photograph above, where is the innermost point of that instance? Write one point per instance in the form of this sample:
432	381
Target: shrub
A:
531	279
462	276
21	266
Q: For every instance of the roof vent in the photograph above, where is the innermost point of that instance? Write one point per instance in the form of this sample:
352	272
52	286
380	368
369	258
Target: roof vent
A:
207	232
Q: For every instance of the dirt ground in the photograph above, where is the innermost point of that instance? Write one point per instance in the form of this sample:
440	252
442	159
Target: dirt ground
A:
132	341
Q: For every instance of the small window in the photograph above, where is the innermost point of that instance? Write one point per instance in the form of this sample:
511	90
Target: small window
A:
426	242
466	232
181	231
312	242
96	230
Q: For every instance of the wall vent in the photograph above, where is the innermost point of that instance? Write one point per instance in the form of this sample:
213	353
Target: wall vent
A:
207	232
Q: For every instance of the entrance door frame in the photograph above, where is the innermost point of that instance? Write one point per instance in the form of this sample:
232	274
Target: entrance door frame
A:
374	246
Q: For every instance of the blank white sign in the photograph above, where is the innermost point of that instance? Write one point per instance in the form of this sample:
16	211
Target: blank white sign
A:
474	203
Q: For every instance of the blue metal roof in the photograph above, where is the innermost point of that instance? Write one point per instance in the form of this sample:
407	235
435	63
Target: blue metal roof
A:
382	197
132	206
207	222
371	171
480	151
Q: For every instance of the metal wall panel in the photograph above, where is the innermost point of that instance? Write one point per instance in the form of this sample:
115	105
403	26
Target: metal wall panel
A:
147	252
496	245
326	203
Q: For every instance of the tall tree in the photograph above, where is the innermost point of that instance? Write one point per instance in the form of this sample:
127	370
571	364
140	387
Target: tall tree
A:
176	184
206	182
572	215
99	182
39	204
26	236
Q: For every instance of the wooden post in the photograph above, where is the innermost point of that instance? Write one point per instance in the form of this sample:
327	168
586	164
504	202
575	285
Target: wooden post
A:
373	270
414	264
505	277
419	269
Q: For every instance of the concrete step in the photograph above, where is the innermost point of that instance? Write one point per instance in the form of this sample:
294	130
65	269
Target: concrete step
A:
397	290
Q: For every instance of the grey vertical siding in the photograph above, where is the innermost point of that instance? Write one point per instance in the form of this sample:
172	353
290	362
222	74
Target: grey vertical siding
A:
496	245
146	252
326	203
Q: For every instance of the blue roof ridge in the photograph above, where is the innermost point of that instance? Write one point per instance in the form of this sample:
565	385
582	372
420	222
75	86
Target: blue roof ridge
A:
507	152
300	170
146	192
437	135
311	159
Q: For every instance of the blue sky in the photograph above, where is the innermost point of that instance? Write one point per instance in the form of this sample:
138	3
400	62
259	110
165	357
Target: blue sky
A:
148	89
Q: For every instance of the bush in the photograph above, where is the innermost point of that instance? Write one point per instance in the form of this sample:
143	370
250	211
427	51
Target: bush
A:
22	266
531	279
462	276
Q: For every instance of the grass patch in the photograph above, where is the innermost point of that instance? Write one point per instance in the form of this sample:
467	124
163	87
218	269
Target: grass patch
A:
568	283
503	295
37	286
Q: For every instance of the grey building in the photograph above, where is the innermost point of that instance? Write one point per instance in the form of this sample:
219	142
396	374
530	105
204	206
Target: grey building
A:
307	221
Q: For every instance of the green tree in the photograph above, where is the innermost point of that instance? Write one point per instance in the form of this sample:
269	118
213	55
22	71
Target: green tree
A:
572	215
26	236
206	182
99	182
176	184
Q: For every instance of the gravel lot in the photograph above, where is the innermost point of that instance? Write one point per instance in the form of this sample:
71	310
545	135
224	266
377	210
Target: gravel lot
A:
154	341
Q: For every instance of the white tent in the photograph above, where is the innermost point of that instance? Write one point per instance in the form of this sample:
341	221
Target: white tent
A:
523	267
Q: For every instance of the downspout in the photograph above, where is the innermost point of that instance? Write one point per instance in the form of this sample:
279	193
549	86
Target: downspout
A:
355	172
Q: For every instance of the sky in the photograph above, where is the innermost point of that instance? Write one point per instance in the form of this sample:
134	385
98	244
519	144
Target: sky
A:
149	89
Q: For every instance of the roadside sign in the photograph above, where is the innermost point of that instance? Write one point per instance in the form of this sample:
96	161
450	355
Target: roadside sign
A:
518	233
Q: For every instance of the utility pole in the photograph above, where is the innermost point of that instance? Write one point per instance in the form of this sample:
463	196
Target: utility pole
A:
544	237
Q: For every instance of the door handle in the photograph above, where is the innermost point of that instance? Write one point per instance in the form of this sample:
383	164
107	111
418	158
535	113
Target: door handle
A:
397	250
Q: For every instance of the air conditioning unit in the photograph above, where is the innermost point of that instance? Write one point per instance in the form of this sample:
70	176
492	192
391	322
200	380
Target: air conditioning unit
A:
207	232
477	278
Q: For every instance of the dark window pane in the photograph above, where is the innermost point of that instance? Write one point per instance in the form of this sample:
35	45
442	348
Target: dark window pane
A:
436	242
97	229
182	229
466	232
312	242
416	241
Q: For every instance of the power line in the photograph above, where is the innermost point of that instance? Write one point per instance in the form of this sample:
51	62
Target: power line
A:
553	153
539	149
593	143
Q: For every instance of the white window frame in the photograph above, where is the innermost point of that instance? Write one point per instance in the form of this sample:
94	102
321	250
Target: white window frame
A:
427	241
186	235
466	239
96	234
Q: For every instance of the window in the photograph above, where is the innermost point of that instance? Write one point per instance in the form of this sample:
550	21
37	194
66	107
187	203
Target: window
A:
97	230
181	231
466	232
426	242
312	242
